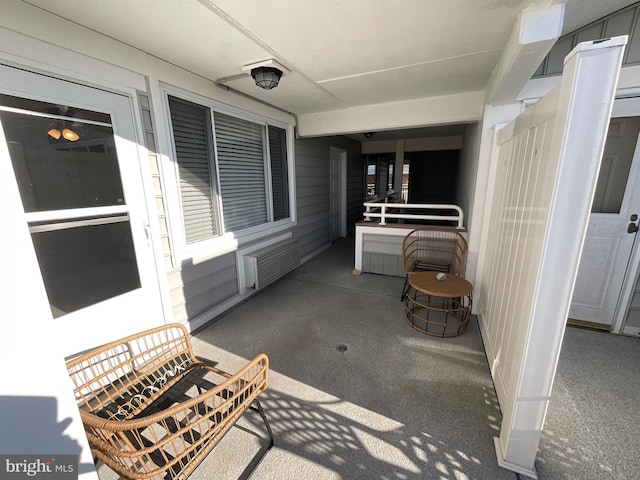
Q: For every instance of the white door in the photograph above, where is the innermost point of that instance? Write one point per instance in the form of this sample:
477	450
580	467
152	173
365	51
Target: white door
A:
73	152
337	193
616	205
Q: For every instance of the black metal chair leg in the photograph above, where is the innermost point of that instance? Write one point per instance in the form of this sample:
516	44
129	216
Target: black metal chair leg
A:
266	422
405	287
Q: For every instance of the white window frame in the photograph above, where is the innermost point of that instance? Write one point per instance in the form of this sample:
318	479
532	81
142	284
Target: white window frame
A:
229	241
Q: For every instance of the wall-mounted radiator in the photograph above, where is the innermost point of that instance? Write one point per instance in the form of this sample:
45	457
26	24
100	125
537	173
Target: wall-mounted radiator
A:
264	266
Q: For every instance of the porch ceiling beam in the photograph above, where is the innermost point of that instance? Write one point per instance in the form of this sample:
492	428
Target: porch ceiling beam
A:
533	35
459	108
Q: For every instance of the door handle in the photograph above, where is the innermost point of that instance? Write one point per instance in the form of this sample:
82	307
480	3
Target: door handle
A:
147	232
632	228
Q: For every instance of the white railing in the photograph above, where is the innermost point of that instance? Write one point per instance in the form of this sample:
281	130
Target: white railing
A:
382	209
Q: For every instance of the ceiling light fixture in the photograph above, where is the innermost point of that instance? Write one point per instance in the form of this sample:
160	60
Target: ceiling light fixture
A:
266	77
54	133
266	74
66	133
70	135
368	135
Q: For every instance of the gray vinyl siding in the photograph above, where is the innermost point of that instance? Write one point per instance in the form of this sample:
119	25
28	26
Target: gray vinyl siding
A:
622	22
312	195
356	186
382	254
154	165
312	190
193	289
196	289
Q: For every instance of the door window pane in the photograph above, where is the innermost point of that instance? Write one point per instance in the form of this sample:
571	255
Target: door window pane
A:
616	162
61	173
85	261
65	158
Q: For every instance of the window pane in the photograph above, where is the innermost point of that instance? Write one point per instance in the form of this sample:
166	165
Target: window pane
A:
53	109
86	261
555	62
616	164
241	166
279	175
192	140
56	173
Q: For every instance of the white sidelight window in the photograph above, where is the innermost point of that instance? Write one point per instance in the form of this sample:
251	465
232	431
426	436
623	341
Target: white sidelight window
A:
232	172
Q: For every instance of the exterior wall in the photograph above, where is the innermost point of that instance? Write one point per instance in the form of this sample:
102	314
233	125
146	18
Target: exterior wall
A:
193	292
312	190
468	170
356	188
198	291
194	289
620	22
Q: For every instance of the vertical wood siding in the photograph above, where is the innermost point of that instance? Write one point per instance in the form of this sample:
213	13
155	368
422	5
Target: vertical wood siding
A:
543	181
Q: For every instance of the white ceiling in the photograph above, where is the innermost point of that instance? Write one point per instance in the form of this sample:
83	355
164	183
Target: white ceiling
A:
340	53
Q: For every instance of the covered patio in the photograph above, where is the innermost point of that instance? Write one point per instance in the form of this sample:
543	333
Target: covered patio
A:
356	393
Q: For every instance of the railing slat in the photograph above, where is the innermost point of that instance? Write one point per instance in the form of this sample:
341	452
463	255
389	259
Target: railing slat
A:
375	209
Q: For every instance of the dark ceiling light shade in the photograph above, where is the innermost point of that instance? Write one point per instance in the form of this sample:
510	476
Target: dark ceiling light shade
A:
266	77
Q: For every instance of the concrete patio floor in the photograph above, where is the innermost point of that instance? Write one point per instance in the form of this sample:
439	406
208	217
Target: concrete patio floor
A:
356	393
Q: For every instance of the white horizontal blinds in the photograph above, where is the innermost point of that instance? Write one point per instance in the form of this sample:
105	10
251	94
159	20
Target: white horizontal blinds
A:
191	135
279	178
241	168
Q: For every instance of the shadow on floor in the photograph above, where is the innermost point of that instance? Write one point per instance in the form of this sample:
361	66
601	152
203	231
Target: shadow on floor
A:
354	391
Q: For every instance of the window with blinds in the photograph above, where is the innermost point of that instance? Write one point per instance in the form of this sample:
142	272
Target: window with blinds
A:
236	182
241	166
279	179
193	147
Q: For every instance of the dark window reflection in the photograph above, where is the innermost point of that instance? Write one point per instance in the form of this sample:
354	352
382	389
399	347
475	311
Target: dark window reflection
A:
53	109
85	261
59	173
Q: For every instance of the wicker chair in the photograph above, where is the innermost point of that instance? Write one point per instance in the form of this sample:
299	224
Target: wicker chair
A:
153	410
433	249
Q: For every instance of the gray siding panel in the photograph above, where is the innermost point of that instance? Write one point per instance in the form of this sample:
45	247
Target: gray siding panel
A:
203	286
622	22
194	288
198	288
312	187
382	254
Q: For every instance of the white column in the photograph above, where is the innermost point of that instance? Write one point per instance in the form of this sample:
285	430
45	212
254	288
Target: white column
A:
581	118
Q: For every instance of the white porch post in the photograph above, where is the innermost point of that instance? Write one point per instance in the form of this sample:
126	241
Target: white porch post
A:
524	364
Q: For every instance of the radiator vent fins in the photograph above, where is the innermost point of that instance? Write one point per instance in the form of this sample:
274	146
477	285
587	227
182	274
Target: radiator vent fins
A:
272	262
